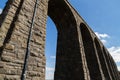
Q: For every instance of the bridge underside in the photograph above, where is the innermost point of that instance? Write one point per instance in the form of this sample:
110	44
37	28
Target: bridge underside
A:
80	54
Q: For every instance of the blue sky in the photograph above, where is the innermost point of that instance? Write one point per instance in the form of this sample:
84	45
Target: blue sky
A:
102	16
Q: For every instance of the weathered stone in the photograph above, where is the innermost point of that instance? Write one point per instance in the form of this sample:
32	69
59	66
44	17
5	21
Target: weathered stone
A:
2	77
2	64
3	71
34	54
1	44
12	77
33	73
36	78
80	54
6	58
9	47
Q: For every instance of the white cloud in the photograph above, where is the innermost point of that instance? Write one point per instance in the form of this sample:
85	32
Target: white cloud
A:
115	52
49	73
101	36
119	68
52	57
49	69
103	41
0	11
49	76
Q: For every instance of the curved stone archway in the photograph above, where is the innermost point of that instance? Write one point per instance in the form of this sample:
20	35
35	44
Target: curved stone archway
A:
68	59
91	54
73	60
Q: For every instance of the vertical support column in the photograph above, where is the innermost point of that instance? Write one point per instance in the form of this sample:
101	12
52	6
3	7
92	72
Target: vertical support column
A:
85	66
14	29
69	64
10	66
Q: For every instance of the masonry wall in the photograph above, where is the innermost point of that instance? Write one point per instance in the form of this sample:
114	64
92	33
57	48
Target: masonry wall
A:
80	54
15	22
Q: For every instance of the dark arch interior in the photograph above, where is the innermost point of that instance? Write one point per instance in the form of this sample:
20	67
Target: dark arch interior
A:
90	52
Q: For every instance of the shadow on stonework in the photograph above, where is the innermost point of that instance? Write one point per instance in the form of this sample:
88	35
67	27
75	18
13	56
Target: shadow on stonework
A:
12	26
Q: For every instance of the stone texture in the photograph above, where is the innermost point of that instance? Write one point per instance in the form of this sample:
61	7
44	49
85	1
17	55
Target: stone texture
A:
80	54
9	47
12	77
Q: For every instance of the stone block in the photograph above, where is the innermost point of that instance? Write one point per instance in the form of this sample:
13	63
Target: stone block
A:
10	47
2	77
12	77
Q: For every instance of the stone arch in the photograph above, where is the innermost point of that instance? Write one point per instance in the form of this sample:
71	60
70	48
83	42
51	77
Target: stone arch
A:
61	14
112	65
68	62
68	58
90	53
70	65
103	62
105	52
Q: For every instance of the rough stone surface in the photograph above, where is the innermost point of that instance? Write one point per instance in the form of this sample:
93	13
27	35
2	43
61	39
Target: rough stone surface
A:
80	54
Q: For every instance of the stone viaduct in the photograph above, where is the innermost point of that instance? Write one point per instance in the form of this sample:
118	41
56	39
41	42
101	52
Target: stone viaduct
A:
80	54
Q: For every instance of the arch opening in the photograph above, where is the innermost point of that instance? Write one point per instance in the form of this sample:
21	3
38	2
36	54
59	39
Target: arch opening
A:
90	53
102	60
50	48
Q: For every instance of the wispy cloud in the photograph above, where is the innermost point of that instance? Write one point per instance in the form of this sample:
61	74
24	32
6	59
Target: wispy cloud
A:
52	57
49	72
104	41
115	52
0	11
102	37
49	69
